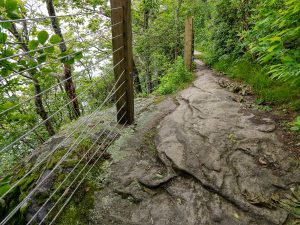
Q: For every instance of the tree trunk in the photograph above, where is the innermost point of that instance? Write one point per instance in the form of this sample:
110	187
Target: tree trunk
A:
38	100
69	84
177	39
40	107
149	85
146	18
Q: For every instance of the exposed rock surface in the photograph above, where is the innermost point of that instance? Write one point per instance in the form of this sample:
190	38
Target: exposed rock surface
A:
197	160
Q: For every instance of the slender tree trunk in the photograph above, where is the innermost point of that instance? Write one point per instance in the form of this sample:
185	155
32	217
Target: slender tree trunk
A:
38	100
177	39
69	84
62	90
146	18
40	107
148	76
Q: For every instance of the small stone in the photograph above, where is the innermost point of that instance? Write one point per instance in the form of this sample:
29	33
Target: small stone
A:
270	157
236	215
268	120
179	201
159	176
262	161
267	127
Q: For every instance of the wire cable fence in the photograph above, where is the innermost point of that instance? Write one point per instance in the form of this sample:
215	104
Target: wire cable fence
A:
41	70
66	95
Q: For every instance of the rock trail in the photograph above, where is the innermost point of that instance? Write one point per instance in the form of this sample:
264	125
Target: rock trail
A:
198	159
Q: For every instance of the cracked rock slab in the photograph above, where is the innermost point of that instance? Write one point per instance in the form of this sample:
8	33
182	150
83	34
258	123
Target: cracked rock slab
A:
211	164
240	161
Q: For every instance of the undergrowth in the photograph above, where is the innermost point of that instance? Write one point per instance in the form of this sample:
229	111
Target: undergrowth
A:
271	91
296	124
177	78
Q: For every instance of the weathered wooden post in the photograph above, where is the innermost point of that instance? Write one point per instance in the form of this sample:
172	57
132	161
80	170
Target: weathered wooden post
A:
188	43
122	58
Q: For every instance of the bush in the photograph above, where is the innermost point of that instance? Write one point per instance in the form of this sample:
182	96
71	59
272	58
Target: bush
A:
275	38
176	78
268	90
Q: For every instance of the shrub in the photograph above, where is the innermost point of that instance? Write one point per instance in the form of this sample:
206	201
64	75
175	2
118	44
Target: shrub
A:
175	79
268	90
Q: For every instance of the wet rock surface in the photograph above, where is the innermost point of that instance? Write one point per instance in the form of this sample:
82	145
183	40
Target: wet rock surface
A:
197	159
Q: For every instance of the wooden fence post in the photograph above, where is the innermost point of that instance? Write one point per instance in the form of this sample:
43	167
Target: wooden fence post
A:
188	43
122	58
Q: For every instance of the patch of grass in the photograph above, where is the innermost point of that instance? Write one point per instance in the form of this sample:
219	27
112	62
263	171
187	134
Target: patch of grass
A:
292	204
268	90
296	124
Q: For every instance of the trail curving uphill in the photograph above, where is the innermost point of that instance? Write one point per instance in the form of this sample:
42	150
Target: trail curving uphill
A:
200	159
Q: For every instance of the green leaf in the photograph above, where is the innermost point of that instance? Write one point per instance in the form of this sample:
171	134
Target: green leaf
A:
32	63
273	47
4	72
6	25
49	50
11	5
3	38
2	3
13	15
8	52
41	59
7	105
32	45
274	39
23	62
55	39
43	36
68	60
78	56
46	70
4	189
295	128
267	57
287	59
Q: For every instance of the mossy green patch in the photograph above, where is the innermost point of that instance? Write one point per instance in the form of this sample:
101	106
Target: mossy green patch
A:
158	99
149	140
4	188
78	209
27	182
56	157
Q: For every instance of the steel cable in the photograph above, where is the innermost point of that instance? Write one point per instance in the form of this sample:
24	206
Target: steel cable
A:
48	89
9	216
69	174
59	145
70	197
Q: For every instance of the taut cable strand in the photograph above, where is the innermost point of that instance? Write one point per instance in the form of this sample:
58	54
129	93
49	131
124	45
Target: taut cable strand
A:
50	88
60	144
81	181
49	17
46	47
44	121
10	215
74	168
57	59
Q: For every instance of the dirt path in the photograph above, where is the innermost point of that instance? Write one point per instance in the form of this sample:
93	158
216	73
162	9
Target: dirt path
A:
201	159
